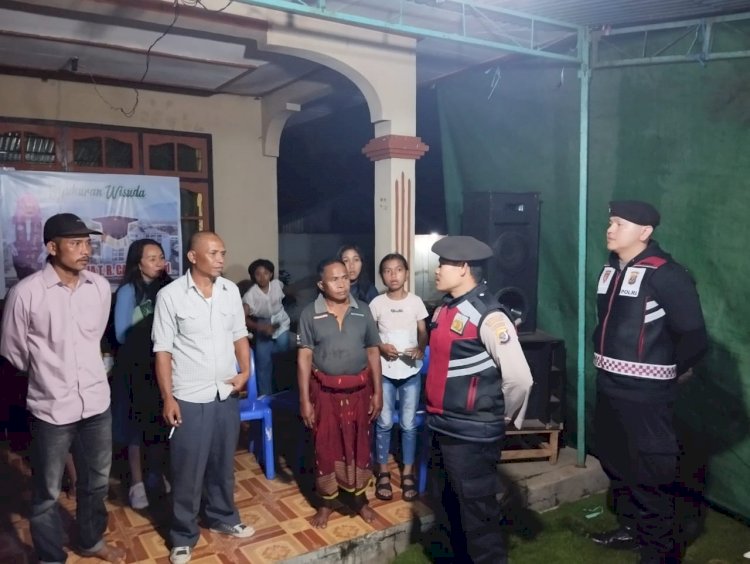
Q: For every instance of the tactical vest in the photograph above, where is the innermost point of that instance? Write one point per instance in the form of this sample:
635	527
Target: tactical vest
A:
463	387
632	338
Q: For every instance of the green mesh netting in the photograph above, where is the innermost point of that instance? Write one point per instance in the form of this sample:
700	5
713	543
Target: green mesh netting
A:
675	135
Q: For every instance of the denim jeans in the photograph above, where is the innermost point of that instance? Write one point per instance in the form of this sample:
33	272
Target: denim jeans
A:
407	392
265	348
91	441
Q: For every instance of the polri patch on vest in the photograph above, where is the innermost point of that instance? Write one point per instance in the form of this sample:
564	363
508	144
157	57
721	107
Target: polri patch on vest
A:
631	283
458	323
502	334
320	316
499	327
605	279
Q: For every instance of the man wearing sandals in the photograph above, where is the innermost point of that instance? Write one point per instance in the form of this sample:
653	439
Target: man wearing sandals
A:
338	369
477	382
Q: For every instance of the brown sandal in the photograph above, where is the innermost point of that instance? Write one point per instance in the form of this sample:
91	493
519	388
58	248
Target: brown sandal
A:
383	488
409	491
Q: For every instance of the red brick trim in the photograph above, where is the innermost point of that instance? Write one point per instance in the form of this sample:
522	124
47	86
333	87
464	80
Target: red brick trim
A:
395	147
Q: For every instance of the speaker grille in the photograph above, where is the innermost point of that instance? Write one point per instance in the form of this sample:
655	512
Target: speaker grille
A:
509	223
512	252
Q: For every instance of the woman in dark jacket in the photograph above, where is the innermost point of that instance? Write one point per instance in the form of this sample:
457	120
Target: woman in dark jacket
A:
139	402
361	288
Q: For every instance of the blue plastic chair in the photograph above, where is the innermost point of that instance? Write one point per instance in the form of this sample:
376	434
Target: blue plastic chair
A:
288	401
254	409
423	453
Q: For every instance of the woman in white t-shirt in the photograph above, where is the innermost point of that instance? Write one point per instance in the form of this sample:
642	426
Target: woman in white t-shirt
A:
266	320
400	316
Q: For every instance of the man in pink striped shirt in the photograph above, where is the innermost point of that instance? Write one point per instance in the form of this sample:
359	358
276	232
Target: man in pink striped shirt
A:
52	327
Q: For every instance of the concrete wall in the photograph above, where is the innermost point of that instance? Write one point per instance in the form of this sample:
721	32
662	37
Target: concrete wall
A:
244	181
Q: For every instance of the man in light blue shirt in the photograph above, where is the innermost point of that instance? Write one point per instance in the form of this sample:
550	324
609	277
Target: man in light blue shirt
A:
199	338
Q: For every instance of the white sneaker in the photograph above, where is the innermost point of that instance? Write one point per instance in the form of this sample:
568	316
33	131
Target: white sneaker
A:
240	530
137	496
180	554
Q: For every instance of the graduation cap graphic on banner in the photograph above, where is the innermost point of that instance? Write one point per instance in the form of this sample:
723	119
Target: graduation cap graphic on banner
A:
115	226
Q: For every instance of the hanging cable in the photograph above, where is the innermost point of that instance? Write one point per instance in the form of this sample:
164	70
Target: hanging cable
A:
202	5
131	112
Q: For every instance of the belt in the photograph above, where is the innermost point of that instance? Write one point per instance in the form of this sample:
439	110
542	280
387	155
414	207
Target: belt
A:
635	369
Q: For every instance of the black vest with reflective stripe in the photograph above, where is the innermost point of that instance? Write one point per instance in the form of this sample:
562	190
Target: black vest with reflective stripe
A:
632	324
463	387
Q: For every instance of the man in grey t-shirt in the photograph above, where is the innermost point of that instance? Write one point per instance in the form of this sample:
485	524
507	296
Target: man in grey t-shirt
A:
338	368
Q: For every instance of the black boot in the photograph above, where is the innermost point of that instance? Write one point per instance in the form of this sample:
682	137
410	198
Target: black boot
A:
622	538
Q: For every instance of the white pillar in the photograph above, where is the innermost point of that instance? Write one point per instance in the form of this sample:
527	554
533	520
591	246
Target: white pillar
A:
394	157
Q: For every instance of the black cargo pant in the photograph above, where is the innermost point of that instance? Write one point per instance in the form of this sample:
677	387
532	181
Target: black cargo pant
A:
466	480
637	447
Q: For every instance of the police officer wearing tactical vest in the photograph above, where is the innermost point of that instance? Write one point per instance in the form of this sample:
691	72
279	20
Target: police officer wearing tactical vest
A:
478	381
650	333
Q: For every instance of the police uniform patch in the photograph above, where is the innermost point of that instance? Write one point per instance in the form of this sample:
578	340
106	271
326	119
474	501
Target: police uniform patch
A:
631	285
500	329
501	332
605	279
458	323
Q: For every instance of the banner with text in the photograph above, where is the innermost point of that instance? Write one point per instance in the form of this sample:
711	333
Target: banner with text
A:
123	207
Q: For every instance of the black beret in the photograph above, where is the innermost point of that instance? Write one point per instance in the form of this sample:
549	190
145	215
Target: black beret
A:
461	248
640	213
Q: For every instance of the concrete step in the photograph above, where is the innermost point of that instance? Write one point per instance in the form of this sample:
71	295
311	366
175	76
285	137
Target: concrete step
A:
541	486
536	485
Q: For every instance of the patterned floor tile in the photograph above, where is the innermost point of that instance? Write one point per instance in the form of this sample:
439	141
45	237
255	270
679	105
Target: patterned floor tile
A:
273	550
279	511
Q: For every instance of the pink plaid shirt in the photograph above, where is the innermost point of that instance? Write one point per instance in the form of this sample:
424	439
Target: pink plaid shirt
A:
54	333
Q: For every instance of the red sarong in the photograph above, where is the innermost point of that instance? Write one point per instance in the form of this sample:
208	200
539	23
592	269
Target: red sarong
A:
342	433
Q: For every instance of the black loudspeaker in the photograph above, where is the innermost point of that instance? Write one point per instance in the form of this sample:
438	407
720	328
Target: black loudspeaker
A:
509	223
546	357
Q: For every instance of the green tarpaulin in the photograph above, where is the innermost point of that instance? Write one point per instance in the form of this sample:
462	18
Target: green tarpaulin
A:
675	135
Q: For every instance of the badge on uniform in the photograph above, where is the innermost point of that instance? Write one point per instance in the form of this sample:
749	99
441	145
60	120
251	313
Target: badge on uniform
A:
458	323
501	332
605	280
631	284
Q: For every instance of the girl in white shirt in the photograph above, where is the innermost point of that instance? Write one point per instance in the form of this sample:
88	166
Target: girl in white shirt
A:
400	316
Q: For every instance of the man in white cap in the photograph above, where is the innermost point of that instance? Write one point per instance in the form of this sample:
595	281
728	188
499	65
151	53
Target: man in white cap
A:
478	382
650	331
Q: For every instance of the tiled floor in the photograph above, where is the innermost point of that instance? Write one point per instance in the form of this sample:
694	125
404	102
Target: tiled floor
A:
277	509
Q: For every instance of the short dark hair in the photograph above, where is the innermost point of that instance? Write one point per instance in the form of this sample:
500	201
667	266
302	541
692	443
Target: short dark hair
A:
322	265
477	271
260	263
392	256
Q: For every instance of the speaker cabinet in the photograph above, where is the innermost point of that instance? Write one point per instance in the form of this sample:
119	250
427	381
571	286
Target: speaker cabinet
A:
509	223
546	357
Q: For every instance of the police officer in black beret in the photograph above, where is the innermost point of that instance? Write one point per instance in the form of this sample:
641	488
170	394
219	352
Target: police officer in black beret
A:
477	382
650	331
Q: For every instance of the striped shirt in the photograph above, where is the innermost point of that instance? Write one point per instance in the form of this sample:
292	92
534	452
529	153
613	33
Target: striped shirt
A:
200	334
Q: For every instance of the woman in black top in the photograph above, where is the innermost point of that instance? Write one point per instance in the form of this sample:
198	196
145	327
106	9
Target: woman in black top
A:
361	288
